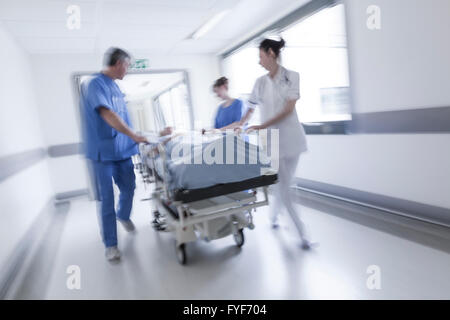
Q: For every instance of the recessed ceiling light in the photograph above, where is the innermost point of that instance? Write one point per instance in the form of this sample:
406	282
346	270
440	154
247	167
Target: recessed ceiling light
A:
209	24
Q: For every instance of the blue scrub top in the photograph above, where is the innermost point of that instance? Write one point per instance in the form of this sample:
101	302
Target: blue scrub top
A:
227	115
101	141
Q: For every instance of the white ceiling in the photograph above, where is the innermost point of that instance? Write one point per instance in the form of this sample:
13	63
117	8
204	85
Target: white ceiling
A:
139	86
140	26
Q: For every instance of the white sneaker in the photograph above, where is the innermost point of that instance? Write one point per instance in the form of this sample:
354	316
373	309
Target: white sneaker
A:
274	222
127	224
308	245
112	253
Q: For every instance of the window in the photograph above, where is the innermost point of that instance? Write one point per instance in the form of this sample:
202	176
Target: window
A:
173	107
316	47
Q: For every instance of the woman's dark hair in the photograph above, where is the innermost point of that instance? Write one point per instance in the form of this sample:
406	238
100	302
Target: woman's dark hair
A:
220	82
276	46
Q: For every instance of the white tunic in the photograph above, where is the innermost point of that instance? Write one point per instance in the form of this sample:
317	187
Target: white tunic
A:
271	96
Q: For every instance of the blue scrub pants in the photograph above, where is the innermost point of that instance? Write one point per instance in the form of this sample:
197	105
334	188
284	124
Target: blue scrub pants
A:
123	174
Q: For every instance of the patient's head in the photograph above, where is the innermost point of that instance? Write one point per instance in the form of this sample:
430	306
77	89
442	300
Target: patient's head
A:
166	131
220	88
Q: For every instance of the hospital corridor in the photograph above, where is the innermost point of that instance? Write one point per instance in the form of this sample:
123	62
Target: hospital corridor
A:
415	257
207	152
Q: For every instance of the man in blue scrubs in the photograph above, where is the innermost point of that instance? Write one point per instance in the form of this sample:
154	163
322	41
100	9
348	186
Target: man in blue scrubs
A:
109	143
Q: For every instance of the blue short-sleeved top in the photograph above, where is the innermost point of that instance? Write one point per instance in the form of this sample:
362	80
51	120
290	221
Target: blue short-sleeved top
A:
101	141
227	115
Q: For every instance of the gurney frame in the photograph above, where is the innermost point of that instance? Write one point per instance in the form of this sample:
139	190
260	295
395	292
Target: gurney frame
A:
206	219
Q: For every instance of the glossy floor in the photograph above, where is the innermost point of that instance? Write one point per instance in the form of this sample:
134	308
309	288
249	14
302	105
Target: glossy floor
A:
413	258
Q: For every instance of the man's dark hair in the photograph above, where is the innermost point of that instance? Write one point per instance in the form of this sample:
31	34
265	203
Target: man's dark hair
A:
113	55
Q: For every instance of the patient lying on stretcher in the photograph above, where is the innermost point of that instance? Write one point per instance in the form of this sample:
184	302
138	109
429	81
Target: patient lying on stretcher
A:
192	160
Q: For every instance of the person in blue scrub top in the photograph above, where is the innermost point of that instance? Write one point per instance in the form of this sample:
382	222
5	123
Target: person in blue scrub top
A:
230	112
109	143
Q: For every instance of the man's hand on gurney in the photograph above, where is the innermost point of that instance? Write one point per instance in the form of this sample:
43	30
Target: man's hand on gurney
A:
138	138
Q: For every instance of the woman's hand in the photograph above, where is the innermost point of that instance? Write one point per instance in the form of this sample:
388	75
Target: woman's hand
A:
253	128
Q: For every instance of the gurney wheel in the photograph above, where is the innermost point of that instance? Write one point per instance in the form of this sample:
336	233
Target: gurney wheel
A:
181	253
239	238
156	214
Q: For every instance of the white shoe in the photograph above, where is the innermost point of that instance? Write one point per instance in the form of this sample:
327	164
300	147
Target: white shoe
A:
274	222
308	245
128	225
112	253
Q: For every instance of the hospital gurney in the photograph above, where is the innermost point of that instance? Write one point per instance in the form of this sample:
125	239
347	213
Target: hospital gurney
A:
208	213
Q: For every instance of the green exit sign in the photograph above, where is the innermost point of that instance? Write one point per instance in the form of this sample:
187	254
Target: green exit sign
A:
140	64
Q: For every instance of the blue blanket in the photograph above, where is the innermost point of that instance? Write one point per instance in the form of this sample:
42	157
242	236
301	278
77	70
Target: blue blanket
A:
194	164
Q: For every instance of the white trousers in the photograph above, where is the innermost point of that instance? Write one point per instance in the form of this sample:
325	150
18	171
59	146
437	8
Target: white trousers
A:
282	193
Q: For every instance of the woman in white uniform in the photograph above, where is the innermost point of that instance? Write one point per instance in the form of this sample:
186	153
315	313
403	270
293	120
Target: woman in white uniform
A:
276	94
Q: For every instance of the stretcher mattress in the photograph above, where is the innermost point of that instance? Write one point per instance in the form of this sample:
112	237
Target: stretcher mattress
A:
186	171
190	195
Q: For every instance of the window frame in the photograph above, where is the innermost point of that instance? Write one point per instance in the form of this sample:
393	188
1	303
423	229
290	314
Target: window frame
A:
302	13
156	99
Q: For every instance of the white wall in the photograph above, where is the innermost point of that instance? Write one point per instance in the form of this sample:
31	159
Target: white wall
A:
412	167
23	195
59	114
404	65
